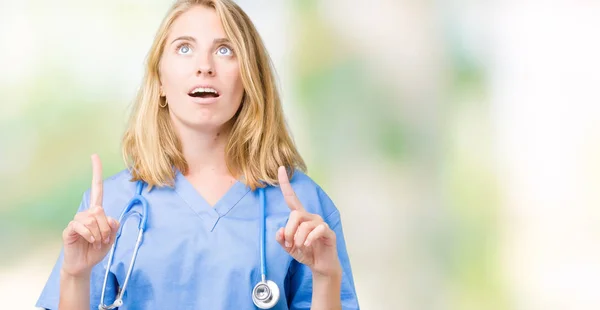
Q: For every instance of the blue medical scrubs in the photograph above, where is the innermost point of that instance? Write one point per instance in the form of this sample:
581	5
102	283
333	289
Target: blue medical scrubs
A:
197	256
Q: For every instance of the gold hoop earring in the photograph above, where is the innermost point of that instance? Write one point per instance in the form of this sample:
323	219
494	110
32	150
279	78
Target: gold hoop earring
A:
163	105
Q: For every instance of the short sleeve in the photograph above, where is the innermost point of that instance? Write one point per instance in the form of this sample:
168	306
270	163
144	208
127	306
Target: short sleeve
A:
299	281
50	294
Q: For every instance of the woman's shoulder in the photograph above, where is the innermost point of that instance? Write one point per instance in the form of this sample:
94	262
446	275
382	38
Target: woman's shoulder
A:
120	181
312	196
115	188
122	175
303	184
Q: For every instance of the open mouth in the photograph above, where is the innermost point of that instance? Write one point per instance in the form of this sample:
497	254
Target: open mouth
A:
204	92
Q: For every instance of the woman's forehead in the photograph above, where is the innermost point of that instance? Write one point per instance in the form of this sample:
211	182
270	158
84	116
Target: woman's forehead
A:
199	22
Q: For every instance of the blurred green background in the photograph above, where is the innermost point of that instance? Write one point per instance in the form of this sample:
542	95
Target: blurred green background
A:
460	140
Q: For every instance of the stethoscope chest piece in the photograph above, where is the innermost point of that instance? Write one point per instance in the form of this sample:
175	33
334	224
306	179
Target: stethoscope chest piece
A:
265	294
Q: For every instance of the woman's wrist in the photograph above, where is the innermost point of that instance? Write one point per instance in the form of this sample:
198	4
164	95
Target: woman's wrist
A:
327	290
333	272
74	290
327	282
82	276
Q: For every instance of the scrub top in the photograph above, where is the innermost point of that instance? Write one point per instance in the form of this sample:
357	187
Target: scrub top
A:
197	256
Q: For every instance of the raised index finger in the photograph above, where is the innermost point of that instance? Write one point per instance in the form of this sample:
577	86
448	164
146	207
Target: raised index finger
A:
288	192
96	190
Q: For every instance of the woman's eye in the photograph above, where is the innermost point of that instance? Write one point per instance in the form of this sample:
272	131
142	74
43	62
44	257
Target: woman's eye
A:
184	49
225	51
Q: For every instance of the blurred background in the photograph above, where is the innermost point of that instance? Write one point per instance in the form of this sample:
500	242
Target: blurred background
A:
460	139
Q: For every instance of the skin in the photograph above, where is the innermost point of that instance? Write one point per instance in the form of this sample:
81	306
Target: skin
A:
86	241
202	57
198	53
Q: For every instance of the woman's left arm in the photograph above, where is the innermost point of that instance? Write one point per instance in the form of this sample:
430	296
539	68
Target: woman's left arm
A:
312	242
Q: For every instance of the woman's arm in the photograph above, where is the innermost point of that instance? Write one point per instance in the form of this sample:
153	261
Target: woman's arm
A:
74	291
318	248
86	241
326	292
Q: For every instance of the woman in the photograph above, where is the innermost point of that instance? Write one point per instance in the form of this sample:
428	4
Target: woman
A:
208	149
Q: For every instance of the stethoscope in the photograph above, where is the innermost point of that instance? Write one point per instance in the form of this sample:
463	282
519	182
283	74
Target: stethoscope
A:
265	293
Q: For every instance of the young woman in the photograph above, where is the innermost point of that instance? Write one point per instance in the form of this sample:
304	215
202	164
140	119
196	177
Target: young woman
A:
213	211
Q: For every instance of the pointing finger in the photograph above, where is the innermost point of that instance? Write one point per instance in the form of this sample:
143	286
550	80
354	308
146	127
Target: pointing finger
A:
96	191
288	192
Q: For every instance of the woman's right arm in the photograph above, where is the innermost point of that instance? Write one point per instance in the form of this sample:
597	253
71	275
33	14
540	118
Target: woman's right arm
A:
74	291
86	241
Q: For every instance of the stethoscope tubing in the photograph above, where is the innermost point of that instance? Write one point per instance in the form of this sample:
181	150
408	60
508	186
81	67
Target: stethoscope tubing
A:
272	289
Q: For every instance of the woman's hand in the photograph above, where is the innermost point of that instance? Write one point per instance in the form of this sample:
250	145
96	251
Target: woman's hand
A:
306	237
90	235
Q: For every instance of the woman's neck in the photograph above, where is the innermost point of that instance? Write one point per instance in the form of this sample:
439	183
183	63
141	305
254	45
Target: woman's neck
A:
204	151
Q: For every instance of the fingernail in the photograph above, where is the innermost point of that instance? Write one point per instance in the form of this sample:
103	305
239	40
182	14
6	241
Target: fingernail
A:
97	246
106	240
93	239
287	244
306	243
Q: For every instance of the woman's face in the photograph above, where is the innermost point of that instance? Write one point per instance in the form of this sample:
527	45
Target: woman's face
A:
199	71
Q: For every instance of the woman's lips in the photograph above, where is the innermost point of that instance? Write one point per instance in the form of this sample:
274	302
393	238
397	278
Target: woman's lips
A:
204	101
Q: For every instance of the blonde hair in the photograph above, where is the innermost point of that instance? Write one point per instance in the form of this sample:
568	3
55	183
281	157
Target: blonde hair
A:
259	141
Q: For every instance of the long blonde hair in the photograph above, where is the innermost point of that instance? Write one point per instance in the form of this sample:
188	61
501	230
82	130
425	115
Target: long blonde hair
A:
259	141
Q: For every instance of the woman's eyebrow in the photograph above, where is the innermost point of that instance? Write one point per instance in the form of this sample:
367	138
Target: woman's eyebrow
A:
220	41
188	38
191	39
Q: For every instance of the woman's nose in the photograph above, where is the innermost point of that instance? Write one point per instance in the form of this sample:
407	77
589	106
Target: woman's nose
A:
206	70
205	66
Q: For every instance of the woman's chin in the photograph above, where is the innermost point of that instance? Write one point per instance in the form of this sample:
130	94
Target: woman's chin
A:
202	120
207	124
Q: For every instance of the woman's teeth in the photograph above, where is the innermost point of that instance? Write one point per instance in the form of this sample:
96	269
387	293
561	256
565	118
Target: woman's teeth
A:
204	92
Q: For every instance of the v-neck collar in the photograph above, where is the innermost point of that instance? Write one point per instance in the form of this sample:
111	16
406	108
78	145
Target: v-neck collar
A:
209	214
